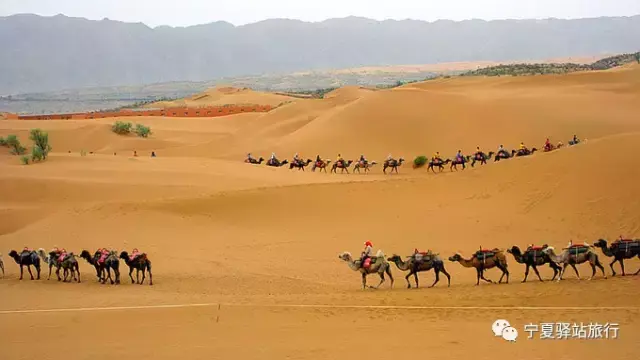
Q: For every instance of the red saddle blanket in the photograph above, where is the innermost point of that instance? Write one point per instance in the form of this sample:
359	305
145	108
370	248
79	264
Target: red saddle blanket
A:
367	263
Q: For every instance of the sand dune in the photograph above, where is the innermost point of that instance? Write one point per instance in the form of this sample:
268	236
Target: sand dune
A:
221	231
225	95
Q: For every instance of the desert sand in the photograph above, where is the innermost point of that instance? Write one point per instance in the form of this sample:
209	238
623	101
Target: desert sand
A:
245	256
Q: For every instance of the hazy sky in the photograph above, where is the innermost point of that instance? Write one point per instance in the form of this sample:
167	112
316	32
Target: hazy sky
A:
239	12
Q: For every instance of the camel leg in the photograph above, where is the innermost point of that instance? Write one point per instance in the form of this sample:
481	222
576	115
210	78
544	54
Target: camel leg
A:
477	277
535	268
407	278
137	276
526	273
447	275
622	266
58	274
556	269
381	280
143	275
109	275
30	273
130	272
364	281
504	272
437	271
415	276
50	266
599	266
576	270
78	270
564	268
21	271
613	272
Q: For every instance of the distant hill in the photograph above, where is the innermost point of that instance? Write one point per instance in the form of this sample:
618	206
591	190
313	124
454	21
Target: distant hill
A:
59	52
550	68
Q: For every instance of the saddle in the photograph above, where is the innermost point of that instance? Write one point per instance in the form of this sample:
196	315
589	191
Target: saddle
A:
626	245
577	249
484	254
424	256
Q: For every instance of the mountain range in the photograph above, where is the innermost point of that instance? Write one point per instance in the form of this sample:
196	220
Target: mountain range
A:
59	52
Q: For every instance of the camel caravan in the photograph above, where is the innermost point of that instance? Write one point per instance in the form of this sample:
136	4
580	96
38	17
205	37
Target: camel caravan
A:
364	166
104	261
485	259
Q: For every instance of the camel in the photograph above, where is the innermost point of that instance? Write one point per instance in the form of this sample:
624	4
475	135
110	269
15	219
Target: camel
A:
342	165
484	260
428	262
574	255
523	152
300	165
111	261
533	258
366	166
439	164
456	162
378	266
26	258
140	263
504	154
254	161
2	265
620	250
276	163
482	158
393	164
69	264
552	147
322	165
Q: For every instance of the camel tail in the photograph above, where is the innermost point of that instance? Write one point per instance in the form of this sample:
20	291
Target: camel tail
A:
43	255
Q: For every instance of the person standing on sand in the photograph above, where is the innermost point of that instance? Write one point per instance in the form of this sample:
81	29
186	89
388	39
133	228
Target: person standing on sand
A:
135	153
153	154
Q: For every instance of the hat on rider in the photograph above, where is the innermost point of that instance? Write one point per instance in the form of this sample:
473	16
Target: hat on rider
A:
368	243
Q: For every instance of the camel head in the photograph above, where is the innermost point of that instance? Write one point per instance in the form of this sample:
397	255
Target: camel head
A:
394	258
13	254
601	243
514	250
345	256
455	257
85	255
124	255
548	250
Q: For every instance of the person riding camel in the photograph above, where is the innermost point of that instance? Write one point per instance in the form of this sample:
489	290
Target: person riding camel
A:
104	253
250	158
273	160
363	160
62	255
339	160
366	253
575	140
547	145
502	151
459	156
318	160
296	159
134	254
436	158
478	153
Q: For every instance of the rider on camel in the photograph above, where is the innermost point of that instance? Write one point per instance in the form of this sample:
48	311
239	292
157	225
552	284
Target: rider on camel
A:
478	153
62	255
273	160
250	158
104	253
339	160
459	156
547	145
366	253
134	254
363	160
522	146
575	139
436	158
501	150
296	159
389	158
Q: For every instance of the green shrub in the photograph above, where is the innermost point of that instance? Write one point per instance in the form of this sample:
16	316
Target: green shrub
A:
143	131
41	141
419	161
37	154
24	159
14	144
3	141
121	127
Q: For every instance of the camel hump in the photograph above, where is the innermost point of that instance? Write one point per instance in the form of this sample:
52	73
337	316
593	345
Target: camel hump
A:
379	253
